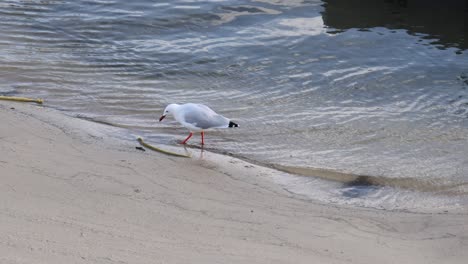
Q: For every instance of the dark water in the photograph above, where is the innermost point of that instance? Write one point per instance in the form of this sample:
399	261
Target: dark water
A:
371	96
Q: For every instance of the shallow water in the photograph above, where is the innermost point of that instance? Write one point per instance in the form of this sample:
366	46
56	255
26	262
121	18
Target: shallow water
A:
367	100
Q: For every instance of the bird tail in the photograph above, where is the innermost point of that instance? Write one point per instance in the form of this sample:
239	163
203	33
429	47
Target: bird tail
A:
232	124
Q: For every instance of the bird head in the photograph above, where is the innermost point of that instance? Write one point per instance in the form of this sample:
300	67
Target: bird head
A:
169	110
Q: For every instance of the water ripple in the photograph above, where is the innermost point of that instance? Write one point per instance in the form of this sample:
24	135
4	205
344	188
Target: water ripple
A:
377	101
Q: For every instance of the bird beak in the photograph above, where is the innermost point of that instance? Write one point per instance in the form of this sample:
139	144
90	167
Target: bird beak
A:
162	117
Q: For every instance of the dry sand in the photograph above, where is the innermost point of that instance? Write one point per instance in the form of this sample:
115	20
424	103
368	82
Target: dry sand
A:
71	194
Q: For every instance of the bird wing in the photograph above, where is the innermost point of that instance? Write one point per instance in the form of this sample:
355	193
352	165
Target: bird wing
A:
203	117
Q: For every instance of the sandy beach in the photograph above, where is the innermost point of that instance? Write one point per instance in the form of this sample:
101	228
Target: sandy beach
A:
70	193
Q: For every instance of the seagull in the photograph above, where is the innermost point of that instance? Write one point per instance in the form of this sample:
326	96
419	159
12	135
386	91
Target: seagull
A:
197	118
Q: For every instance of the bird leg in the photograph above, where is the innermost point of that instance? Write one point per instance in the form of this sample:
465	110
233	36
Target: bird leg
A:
189	136
202	138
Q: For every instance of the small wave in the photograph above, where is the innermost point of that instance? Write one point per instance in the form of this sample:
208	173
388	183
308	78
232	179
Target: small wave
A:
408	183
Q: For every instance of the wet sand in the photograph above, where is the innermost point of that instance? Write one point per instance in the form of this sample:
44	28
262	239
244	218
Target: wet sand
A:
70	193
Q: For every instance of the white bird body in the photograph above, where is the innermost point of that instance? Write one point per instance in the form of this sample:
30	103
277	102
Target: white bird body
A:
197	118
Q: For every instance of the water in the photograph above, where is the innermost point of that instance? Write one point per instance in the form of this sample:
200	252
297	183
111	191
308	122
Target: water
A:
364	102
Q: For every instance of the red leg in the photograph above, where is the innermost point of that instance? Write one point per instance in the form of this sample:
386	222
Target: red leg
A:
189	136
202	138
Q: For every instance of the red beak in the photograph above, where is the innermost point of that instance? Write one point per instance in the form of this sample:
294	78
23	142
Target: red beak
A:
162	117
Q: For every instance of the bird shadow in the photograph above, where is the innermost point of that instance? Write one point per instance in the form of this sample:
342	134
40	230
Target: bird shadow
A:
188	148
